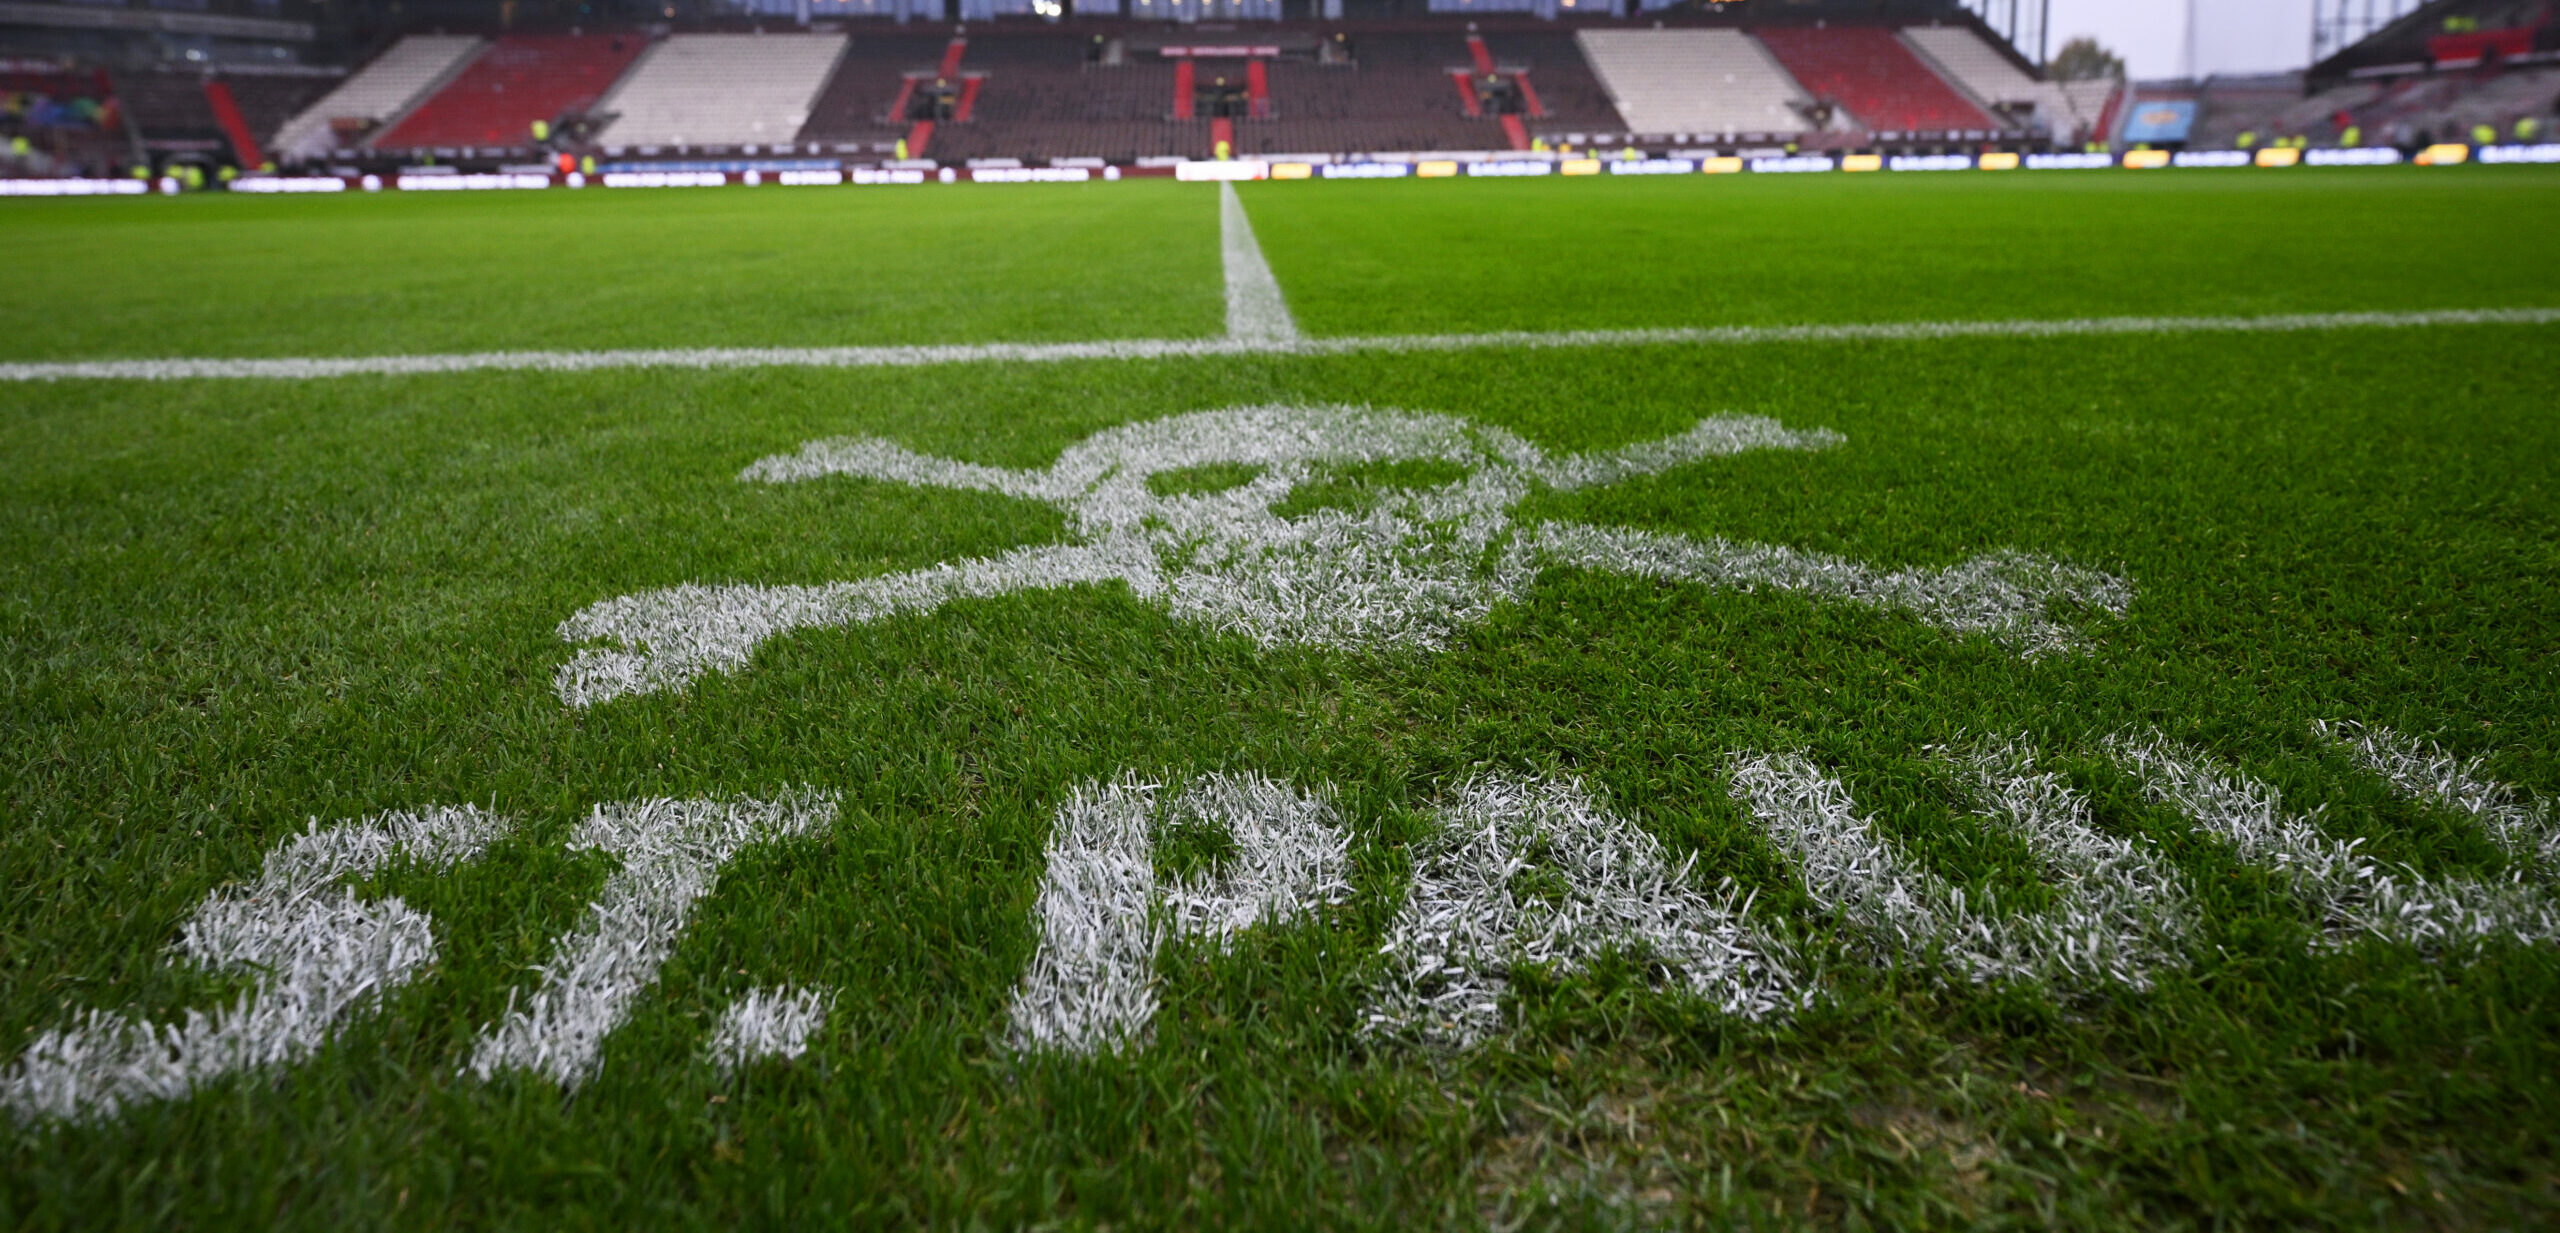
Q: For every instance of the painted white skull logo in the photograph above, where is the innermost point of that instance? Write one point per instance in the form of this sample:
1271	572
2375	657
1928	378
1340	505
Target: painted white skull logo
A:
1406	567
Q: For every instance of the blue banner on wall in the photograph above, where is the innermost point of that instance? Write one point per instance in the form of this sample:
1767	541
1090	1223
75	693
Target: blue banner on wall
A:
2160	121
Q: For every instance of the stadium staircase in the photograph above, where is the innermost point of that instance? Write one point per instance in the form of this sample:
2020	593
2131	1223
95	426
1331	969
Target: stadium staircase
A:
1868	71
862	108
1693	81
1394	93
1466	84
1562	96
920	134
516	81
266	101
2111	115
379	93
235	127
695	90
178	111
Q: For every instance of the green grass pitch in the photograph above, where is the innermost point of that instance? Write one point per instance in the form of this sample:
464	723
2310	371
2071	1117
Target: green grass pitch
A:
230	607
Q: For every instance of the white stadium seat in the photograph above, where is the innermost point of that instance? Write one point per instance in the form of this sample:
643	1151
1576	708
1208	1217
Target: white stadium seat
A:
721	90
1693	81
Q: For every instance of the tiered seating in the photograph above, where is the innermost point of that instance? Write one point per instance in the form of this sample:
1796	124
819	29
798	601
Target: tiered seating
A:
166	105
1868	71
1965	61
722	90
1396	95
853	109
1402	101
520	79
1693	81
1039	99
2445	106
380	91
2270	108
267	102
1573	98
2499	101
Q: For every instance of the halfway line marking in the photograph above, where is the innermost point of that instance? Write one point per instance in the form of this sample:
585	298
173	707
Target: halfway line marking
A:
1256	311
1209	348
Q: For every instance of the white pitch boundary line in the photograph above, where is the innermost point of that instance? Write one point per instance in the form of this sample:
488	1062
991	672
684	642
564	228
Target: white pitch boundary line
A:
1212	348
1256	311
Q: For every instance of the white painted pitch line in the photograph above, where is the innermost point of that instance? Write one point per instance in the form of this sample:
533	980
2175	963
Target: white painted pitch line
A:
2119	908
1103	914
316	955
1409	572
671	853
1472	919
2351	893
767	1023
1256	311
318	368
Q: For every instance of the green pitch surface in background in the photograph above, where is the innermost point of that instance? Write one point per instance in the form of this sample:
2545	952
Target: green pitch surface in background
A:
400	273
1401	257
228	607
414	272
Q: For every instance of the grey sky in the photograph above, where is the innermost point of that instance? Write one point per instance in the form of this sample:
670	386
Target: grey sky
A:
2232	36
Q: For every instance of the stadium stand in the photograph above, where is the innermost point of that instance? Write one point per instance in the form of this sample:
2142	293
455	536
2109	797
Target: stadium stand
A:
1389	92
2410	109
856	110
267	101
381	91
1694	81
71	119
1395	94
1997	83
1570	98
2449	34
1868	71
1041	98
167	106
174	110
2268	109
517	80
2443	106
1001	91
721	90
2502	99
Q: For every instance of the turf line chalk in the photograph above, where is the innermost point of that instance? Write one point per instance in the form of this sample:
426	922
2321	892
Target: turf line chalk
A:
671	853
2422	771
316	953
1256	311
708	358
1408	570
2117	909
1529	872
2350	893
1104	915
767	1023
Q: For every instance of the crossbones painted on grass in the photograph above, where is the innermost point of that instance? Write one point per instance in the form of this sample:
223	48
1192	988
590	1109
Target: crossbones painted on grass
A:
1407	568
